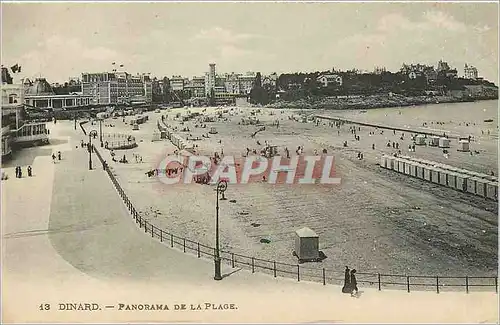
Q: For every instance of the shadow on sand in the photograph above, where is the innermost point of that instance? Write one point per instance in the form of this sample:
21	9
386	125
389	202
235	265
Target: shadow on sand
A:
230	273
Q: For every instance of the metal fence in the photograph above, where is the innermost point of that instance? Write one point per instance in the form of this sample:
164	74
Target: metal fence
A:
298	271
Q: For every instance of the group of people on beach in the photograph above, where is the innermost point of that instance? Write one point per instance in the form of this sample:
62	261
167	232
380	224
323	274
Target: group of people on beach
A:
350	282
19	171
59	157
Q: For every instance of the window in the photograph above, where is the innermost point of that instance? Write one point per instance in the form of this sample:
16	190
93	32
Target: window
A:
12	98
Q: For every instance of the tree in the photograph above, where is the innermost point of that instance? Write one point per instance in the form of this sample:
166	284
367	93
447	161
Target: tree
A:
258	80
6	78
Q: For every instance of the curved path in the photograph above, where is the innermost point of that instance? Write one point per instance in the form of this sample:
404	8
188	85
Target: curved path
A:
66	237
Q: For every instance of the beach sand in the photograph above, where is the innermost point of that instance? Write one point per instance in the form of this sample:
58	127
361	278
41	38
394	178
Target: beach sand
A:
375	220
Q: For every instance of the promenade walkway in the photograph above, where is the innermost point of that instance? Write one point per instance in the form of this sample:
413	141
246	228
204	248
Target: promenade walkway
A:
67	238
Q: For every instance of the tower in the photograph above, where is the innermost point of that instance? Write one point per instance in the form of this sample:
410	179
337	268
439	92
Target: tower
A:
210	81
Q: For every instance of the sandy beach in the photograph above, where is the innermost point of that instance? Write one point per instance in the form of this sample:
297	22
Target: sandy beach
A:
375	220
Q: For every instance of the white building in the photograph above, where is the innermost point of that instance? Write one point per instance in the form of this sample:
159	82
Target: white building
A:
329	79
177	83
246	82
470	72
40	95
116	87
15	131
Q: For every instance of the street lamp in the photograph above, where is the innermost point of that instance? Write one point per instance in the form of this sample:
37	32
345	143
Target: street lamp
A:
75	120
100	132
221	188
92	133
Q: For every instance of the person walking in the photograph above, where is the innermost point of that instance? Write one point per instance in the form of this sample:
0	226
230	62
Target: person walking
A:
30	171
20	172
347	281
59	155
354	283
17	171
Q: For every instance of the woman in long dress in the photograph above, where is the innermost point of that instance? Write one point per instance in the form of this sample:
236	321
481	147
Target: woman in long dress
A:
354	283
347	281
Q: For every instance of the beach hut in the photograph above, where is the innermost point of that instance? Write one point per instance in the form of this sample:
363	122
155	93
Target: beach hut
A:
444	143
306	245
413	169
401	165
383	161
420	171
433	141
443	176
451	179
461	182
481	187
395	164
463	145
420	140
427	173
407	167
434	175
390	162
492	190
471	185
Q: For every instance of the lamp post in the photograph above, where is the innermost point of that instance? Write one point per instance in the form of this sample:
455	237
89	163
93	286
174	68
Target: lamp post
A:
92	133
100	132
221	188
75	121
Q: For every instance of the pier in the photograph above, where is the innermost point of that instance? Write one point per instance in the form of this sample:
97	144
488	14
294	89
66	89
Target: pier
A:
385	127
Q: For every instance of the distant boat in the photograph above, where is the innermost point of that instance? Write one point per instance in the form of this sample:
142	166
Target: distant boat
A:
488	120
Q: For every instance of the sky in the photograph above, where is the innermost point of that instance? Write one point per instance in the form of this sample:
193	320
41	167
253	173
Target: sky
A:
61	40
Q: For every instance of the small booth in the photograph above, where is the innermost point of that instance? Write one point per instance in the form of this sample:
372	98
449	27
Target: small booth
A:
213	130
434	141
408	165
389	162
492	190
306	245
395	164
135	127
420	140
434	175
452	180
427	173
420	171
443	176
471	185
481	187
463	145
461	182
413	169
383	161
444	143
401	166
